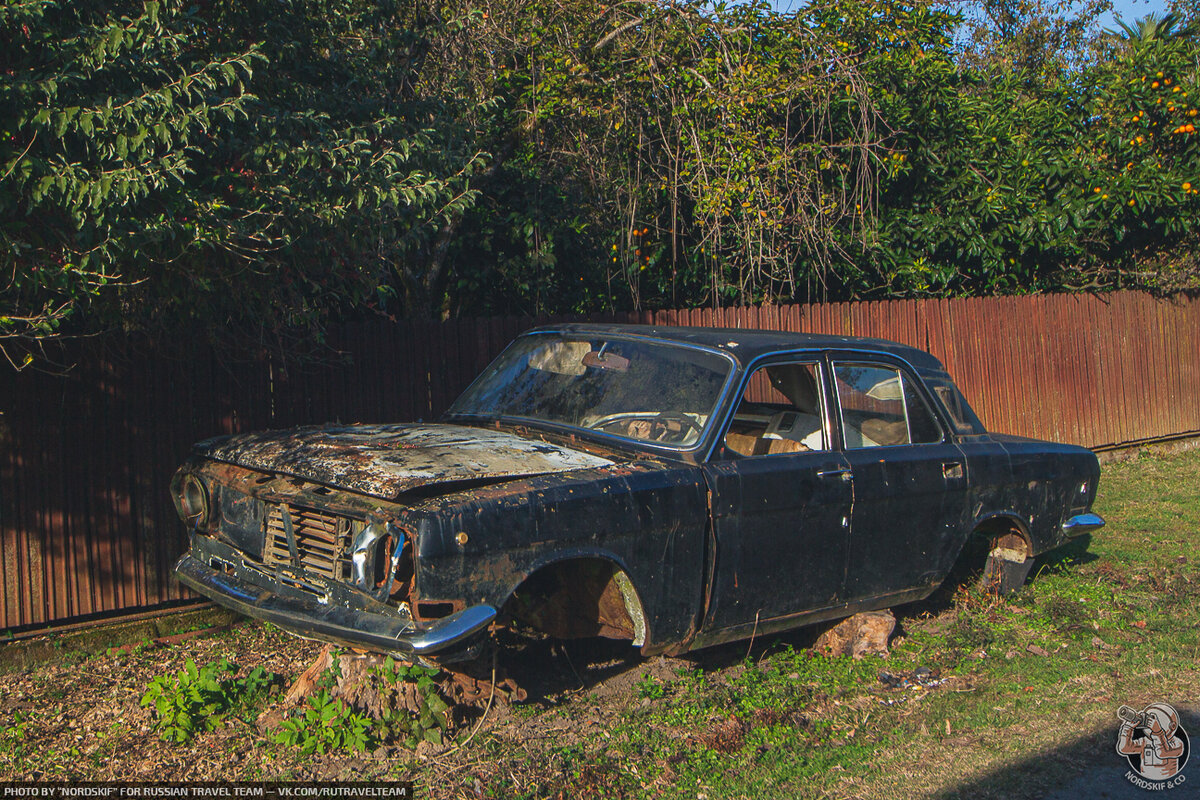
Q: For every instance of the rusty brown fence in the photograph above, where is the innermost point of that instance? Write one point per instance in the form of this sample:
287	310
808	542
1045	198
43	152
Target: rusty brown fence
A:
87	528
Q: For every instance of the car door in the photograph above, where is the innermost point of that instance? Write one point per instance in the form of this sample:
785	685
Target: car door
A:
909	479
780	501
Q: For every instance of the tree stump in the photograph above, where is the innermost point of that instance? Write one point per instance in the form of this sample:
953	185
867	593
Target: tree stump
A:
378	687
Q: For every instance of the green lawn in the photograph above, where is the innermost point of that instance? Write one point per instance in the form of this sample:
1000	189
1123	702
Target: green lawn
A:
1026	688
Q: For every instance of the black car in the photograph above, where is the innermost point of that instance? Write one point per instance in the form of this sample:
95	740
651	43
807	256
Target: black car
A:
677	487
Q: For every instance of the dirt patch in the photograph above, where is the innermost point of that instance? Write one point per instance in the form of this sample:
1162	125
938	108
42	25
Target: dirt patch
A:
81	718
84	720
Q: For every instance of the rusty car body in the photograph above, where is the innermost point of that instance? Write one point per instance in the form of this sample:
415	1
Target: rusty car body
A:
676	487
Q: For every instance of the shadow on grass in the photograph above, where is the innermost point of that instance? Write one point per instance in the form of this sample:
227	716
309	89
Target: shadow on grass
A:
966	573
550	669
1076	552
1083	768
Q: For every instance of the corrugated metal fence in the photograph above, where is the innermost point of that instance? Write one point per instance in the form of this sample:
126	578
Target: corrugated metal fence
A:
87	527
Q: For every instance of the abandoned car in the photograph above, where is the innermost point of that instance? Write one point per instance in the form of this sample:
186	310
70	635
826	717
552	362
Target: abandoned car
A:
676	487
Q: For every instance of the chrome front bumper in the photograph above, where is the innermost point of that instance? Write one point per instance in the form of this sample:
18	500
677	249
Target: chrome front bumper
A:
312	618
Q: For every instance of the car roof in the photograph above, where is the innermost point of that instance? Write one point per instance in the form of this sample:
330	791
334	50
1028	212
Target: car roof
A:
748	344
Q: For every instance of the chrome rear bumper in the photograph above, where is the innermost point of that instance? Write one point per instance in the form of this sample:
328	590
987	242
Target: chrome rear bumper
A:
1082	523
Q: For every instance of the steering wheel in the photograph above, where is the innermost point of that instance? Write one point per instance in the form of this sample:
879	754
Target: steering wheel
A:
679	416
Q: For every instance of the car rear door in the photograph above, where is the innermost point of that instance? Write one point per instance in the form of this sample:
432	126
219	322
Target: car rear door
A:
910	481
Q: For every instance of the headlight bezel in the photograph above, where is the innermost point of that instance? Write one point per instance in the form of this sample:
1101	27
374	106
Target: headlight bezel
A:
195	501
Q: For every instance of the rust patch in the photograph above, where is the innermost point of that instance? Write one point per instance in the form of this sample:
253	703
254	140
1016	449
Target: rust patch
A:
468	689
1007	564
388	460
575	600
500	570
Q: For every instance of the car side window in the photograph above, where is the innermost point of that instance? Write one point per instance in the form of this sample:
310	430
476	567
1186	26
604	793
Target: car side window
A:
956	405
780	412
881	407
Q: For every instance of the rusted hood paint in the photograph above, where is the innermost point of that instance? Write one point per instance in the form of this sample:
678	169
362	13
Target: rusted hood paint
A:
388	460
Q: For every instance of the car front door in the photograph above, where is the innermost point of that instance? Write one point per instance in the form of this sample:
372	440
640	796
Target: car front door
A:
910	482
780	503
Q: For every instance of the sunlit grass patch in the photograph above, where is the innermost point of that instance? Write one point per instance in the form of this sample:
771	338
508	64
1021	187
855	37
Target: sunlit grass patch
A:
1100	617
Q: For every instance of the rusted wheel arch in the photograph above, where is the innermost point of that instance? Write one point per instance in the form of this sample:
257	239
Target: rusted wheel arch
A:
1008	554
578	598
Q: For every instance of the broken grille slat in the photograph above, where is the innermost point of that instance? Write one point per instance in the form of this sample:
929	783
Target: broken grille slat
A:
322	540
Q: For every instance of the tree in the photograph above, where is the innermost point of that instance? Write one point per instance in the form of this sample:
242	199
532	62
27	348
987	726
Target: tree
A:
670	153
1036	37
1151	27
248	172
242	171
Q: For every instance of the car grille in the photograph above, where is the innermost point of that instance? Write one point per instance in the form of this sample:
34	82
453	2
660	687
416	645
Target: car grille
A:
322	540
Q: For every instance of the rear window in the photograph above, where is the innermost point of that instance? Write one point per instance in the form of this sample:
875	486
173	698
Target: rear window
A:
956	405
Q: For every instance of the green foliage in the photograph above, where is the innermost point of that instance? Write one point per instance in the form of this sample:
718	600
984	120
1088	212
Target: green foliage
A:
685	154
410	711
101	117
327	724
198	699
15	753
401	724
703	155
770	688
649	687
1038	37
250	171
1012	185
240	169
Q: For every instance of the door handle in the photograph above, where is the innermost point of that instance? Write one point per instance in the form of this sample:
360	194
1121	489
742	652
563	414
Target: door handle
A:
952	469
833	473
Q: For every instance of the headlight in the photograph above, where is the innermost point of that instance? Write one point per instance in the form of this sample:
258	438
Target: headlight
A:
194	501
378	548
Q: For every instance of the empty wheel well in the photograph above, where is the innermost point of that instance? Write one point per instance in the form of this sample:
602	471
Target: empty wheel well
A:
1000	552
1002	533
995	557
580	598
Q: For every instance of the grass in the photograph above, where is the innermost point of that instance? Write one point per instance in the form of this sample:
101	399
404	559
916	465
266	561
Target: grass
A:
996	698
1025	689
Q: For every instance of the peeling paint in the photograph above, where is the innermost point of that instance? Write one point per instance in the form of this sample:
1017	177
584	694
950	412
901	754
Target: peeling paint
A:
388	460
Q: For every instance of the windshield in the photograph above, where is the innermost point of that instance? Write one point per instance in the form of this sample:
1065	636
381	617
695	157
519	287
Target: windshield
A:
641	390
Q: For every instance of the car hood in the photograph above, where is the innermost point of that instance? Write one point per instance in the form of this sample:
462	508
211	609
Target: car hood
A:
388	460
